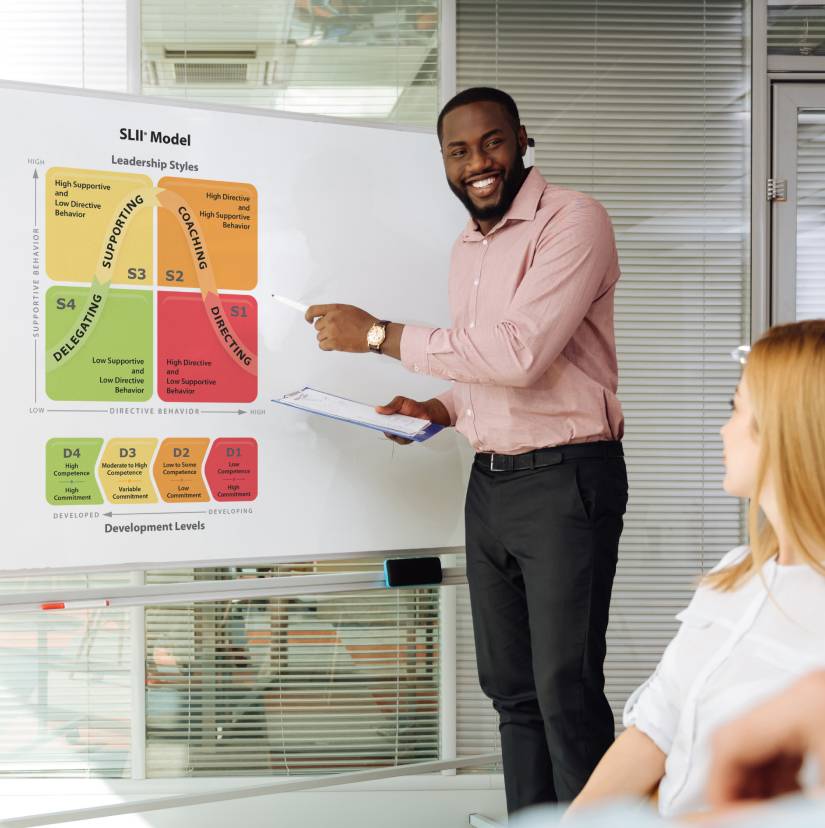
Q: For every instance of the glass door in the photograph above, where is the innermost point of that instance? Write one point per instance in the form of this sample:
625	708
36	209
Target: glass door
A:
798	202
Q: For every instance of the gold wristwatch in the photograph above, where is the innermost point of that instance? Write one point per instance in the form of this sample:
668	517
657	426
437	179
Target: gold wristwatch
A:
376	336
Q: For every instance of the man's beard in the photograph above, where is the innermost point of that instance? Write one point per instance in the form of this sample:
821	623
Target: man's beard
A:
510	185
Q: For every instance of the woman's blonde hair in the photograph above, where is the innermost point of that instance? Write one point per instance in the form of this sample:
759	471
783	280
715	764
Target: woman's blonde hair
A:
785	373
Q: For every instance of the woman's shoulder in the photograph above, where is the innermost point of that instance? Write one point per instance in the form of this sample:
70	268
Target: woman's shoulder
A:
735	556
709	604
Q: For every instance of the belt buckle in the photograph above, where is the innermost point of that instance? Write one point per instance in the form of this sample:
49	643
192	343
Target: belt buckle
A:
493	463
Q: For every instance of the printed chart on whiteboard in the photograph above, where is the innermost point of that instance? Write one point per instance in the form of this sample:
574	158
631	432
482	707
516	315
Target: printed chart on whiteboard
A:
148	241
117	333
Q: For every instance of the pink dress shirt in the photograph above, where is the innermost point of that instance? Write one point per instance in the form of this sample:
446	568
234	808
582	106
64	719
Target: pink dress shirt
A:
531	352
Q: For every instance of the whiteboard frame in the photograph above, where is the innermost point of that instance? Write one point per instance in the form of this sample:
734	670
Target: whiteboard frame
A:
183	103
259	561
185	592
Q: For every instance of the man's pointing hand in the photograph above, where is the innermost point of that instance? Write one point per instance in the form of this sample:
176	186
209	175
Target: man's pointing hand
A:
341	327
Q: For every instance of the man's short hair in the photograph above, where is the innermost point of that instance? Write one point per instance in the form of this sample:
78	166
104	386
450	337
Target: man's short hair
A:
477	94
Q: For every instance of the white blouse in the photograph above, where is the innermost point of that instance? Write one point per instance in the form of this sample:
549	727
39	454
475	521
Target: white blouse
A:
732	651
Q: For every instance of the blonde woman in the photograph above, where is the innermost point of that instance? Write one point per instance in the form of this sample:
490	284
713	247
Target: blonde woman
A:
757	621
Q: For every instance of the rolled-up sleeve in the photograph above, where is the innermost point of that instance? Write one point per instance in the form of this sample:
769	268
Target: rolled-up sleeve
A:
415	340
448	401
654	708
572	259
414	357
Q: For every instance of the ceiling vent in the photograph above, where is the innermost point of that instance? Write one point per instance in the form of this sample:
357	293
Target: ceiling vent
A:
174	65
220	73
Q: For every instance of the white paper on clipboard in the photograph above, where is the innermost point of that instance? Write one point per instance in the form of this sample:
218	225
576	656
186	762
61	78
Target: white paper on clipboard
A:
351	411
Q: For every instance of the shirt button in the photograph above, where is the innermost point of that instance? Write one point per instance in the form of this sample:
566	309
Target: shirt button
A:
472	324
484	241
476	283
469	412
415	367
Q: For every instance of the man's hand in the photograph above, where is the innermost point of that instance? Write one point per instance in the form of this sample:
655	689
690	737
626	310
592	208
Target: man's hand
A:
758	756
341	327
432	410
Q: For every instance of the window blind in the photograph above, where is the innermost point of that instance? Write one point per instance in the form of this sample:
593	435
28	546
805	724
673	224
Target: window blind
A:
306	685
374	59
810	216
476	725
65	686
645	106
796	29
64	42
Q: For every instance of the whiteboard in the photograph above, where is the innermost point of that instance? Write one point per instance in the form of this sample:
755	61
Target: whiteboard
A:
142	242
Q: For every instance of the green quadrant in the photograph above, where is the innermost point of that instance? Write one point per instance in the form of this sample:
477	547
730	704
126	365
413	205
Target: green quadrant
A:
70	471
113	361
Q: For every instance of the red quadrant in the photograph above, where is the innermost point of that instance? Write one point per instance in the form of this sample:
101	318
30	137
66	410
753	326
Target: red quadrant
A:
196	362
232	469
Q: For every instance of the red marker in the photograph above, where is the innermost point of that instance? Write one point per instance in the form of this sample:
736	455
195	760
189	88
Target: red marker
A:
71	605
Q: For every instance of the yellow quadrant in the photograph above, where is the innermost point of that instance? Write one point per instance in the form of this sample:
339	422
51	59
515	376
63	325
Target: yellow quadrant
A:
124	470
99	222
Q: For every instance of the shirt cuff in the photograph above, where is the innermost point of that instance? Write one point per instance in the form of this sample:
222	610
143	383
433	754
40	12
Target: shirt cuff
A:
414	342
654	733
640	712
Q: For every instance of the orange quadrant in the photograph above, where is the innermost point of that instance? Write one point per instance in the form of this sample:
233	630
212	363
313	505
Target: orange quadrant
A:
178	470
214	225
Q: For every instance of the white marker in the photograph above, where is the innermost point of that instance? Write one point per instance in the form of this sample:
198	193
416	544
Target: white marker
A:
72	605
290	303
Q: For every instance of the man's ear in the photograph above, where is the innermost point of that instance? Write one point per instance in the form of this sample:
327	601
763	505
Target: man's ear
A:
522	140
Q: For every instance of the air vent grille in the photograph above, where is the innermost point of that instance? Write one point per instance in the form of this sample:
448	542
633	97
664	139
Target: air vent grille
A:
189	73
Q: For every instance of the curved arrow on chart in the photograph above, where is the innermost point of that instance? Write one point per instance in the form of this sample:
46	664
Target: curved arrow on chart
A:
218	320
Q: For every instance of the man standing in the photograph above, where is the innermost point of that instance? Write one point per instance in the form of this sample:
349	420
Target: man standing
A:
531	354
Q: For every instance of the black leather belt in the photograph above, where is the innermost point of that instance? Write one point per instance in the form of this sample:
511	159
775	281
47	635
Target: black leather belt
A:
539	458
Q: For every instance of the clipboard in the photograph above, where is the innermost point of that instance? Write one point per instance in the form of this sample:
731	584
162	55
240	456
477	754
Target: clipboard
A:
356	413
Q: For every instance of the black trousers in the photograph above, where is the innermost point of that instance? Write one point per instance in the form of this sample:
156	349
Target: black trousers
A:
542	546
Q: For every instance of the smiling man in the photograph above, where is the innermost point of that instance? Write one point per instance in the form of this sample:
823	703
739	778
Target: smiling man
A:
532	358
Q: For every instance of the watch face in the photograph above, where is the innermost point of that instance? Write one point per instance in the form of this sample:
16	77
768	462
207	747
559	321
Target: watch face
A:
375	336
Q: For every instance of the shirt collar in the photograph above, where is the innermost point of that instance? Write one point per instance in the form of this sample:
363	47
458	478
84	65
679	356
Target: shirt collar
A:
523	208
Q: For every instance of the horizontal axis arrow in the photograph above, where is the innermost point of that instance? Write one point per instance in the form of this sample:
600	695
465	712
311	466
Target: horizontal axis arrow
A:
155	514
78	410
223	411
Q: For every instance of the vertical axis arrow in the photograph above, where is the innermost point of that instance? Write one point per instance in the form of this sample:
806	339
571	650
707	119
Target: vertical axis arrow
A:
34	178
